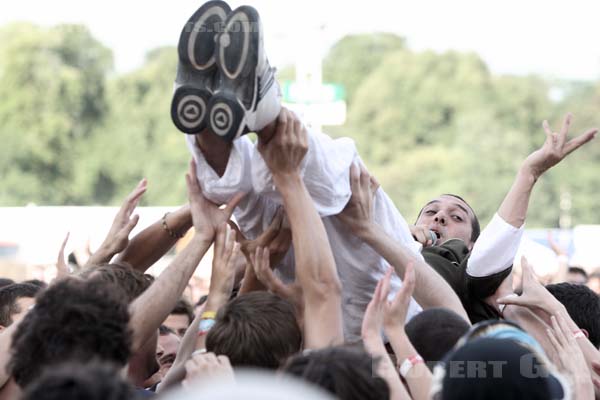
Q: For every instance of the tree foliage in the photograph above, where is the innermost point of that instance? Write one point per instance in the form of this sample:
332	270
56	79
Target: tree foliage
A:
426	123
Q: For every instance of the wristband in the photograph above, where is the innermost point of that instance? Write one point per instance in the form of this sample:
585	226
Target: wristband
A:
409	363
208	315
578	334
169	231
205	326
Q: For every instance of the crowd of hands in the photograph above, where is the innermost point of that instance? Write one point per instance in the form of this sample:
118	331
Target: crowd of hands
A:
316	291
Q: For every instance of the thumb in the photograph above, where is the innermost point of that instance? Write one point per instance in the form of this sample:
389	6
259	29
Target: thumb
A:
513	299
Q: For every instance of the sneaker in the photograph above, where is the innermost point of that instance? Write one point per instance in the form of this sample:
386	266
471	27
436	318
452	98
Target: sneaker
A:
248	97
197	69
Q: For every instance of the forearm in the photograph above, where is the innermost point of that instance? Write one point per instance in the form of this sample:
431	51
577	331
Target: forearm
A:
315	266
418	377
514	206
150	309
152	243
385	367
431	290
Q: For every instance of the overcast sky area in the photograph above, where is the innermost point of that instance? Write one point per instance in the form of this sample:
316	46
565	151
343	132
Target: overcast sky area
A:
554	39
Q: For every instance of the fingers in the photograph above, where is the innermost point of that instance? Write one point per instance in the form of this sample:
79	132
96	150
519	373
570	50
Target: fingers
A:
511	299
132	223
221	239
579	141
564	130
547	129
61	264
191	179
273	230
558	332
233	203
385	287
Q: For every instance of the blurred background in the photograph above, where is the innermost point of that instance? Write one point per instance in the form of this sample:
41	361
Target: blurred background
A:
440	97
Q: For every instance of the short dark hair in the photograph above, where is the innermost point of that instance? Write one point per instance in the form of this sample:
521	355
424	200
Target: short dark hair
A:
37	282
257	329
475	227
183	307
8	300
73	320
132	282
348	372
71	381
582	304
578	270
5	282
434	332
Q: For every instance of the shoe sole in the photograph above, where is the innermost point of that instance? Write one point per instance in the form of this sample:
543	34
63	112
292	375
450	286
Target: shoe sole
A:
237	55
197	67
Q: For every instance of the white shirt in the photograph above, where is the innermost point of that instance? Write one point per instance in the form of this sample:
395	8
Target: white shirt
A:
325	171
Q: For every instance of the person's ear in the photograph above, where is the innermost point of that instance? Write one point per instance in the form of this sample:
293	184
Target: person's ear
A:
2	327
587	335
470	246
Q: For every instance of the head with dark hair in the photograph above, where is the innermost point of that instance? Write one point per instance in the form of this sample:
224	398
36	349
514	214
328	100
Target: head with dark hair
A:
345	371
15	301
37	282
132	282
180	318
434	332
75	381
5	282
450	217
577	275
582	304
73	320
257	329
491	368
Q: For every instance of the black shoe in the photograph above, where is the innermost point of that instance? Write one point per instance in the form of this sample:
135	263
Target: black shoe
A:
248	96
197	69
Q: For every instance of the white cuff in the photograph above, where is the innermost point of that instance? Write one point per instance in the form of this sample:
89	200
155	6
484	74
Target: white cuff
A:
495	249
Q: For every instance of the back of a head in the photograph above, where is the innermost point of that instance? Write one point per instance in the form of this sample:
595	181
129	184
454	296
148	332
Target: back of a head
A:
434	332
80	381
582	304
5	282
347	372
8	299
130	281
73	320
257	329
489	369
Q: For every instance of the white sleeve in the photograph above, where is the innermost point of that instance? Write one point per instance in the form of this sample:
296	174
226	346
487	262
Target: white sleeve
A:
325	171
495	249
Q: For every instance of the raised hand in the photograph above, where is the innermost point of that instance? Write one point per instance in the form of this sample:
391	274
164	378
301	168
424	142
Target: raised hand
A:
422	234
206	215
262	269
572	361
534	295
556	147
397	309
207	366
226	251
277	238
117	238
372	325
284	152
357	215
62	269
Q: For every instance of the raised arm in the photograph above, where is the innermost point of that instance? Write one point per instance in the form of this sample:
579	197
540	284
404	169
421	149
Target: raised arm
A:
496	248
118	236
431	289
152	243
315	267
151	308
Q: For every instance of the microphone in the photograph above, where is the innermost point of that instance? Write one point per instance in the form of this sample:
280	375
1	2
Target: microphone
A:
432	236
